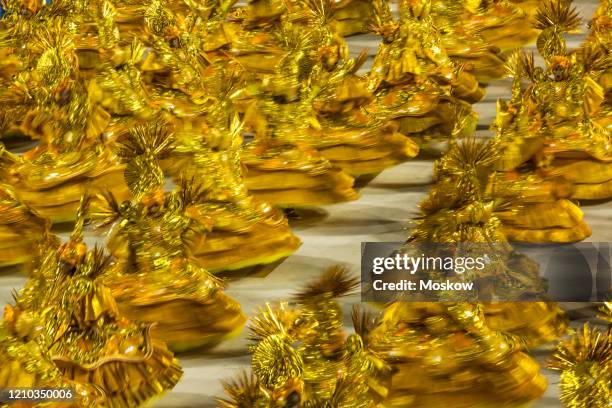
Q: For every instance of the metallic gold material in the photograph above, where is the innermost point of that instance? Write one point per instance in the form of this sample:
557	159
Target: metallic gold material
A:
353	16
200	107
244	232
164	76
415	82
282	167
461	209
308	92
535	323
595	52
61	111
301	355
291	176
52	184
209	148
455	354
198	100
606	311
553	134
20	229
27	365
157	279
585	363
78	325
446	355
532	201
475	34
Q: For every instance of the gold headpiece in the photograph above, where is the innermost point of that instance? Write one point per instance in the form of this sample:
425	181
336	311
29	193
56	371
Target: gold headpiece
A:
554	18
142	149
585	362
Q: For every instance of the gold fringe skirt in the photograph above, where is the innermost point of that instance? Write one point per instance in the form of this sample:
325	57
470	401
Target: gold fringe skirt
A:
559	221
263	242
186	311
360	152
292	176
54	192
592	179
127	383
536	323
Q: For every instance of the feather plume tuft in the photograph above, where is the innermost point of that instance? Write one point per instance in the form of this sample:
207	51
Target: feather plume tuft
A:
334	282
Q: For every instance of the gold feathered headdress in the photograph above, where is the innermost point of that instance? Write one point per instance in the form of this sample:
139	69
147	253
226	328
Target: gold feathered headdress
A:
554	18
142	149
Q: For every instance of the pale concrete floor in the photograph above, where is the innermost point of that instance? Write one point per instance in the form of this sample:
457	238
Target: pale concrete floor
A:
383	213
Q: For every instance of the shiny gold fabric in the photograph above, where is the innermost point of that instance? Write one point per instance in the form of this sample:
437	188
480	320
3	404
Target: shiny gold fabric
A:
585	364
446	355
80	327
57	106
235	245
597	44
20	229
194	98
52	184
353	16
244	232
300	354
553	138
536	323
539	209
27	365
289	176
461	208
156	279
454	354
476	34
415	82
203	96
308	93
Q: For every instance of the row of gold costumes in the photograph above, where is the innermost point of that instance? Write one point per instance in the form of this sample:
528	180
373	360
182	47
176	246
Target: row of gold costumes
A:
186	131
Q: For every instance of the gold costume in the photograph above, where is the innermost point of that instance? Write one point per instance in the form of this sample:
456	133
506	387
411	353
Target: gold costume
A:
414	80
467	48
528	6
459	210
157	279
68	119
26	361
554	138
353	16
281	169
585	363
244	232
52	184
309	94
577	135
500	24
186	88
595	51
83	332
540	209
198	101
475	33
302	357
20	229
26	365
445	355
292	175
450	354
246	107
